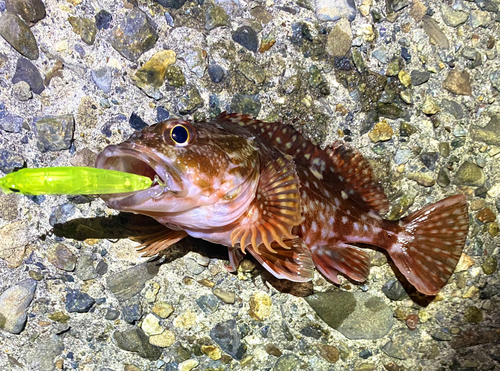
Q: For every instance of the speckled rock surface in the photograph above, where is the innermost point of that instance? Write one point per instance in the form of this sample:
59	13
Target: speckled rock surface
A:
413	85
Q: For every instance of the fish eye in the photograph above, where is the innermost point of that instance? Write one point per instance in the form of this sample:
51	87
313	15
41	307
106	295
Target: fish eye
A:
180	134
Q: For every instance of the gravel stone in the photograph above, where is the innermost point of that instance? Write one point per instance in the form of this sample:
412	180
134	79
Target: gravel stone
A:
79	302
128	283
350	311
85	268
216	16
85	28
103	20
333	10
62	257
134	35
469	174
489	134
30	10
339	39
419	77
27	72
54	133
453	18
208	303
228	338
403	344
14	303
436	35
227	297
394	290
102	78
287	362
10	161
18	35
246	37
131	311
458	83
216	73
135	340
246	104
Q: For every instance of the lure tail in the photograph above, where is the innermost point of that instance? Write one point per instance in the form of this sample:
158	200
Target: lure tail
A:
430	242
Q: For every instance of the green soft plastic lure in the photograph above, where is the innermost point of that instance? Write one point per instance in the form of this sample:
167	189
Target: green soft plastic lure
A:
72	180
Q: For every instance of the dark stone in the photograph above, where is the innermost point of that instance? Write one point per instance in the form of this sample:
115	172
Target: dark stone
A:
112	314
85	268
79	302
246	104
429	159
453	107
216	73
365	354
11	123
441	335
419	77
135	340
128	283
208	303
350	311
214	105
61	213
134	35
487	5
131	311
10	161
403	344
342	63
103	20
312	331
246	37
29	10
102	78
27	72
101	268
394	290
174	4
443	179
162	114
190	100
227	336
54	133
85	28
18	35
136	122
405	54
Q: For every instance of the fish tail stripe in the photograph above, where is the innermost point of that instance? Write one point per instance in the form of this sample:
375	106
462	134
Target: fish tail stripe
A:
429	246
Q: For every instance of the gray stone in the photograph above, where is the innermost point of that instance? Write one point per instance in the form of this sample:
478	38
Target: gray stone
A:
469	174
22	91
394	290
403	344
102	78
193	267
131	310
174	4
246	37
403	155
287	362
45	350
495	79
30	10
453	107
333	10
252	71
453	18
208	303
216	16
419	77
489	134
479	18
339	39
350	313
14	304
228	337
62	257
54	133
11	123
436	35
190	100
27	72
128	283
246	104
85	268
135	340
10	161
78	302
134	35
18	35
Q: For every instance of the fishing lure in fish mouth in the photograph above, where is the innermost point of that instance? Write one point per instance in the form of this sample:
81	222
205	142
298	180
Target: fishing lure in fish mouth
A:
77	180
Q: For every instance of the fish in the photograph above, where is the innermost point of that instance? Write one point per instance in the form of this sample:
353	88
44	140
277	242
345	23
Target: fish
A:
263	188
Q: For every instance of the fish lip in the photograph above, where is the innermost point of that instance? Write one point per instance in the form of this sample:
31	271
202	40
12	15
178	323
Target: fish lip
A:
114	157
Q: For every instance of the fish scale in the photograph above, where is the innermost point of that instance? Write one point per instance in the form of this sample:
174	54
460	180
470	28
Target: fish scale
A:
264	189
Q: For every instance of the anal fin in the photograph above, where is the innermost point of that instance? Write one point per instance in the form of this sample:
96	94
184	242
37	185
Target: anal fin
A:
342	258
153	243
293	263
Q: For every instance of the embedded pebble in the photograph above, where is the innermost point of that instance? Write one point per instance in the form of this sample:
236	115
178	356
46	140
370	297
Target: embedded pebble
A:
18	35
216	16
135	340
30	10
486	215
14	303
246	37
62	257
22	91
381	132
490	265
339	39
228	337
27	72
103	20
79	302
54	133
394	290
163	340
469	174
333	10
151	325
458	82
102	77
128	283
453	18
134	35
349	314
261	306
216	73
227	297
489	134
85	28
162	309
10	161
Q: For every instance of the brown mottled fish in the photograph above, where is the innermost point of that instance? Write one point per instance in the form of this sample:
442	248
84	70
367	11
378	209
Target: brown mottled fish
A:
263	188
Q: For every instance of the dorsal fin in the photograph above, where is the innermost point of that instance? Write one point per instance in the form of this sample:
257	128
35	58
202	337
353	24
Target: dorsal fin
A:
274	211
339	165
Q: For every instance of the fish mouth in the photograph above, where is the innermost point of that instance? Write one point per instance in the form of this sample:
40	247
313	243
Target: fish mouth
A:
139	160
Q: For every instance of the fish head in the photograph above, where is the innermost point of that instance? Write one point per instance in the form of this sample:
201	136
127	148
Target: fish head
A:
201	171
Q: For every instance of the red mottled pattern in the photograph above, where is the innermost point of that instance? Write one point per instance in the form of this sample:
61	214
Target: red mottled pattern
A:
263	188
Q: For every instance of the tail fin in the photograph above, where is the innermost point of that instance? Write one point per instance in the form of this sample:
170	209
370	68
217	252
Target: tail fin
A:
430	243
